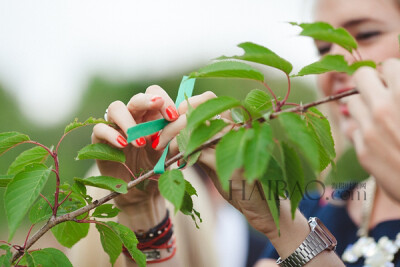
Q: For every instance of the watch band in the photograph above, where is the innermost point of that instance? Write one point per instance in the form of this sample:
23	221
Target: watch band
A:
311	246
318	240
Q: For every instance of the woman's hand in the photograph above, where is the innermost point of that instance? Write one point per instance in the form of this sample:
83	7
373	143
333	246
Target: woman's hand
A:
143	153
377	113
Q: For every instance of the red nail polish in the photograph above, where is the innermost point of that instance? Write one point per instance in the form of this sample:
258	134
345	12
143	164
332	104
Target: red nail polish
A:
172	113
141	141
155	142
154	136
155	98
122	141
179	164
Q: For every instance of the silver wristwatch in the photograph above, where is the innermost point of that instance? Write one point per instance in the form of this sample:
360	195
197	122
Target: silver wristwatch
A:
318	240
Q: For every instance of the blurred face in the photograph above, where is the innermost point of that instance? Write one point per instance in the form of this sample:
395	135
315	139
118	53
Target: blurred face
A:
375	24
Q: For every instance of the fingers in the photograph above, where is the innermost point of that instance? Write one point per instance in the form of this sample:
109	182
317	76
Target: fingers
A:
369	85
390	73
120	115
195	101
169	132
360	112
155	101
103	133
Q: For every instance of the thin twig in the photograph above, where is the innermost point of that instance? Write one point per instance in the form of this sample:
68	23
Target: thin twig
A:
273	95
59	142
129	170
48	202
72	215
27	236
65	199
287	93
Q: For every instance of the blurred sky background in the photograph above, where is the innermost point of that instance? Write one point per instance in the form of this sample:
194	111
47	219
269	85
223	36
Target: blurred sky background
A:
49	50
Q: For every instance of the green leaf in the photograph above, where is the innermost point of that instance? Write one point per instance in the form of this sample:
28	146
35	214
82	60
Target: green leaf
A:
190	189
326	64
229	154
29	259
334	63
76	124
105	182
50	257
128	239
203	133
69	233
5	180
11	139
257	102
356	65
325	32
228	69
34	155
187	204
110	241
172	187
300	136
22	192
41	211
294	176
5	259
260	54
209	109
272	199
257	152
323	135
239	115
106	211
183	139
102	152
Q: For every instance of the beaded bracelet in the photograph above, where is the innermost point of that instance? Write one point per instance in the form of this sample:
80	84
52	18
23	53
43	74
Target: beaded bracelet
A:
158	237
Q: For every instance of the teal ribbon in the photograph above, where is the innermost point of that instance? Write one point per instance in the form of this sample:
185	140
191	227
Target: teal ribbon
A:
151	127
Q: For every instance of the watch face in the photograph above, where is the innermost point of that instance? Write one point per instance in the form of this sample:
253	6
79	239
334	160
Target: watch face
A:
325	234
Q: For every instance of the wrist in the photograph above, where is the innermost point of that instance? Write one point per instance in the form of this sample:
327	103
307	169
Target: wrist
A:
292	233
144	215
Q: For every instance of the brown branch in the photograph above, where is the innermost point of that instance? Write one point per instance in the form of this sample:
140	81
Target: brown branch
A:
53	221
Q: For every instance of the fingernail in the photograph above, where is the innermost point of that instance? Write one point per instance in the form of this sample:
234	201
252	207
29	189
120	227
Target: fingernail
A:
155	98
141	141
172	113
179	163
122	141
154	136
155	142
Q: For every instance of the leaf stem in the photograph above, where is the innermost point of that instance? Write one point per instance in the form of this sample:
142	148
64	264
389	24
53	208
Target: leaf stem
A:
59	142
273	95
38	144
5	242
292	104
358	54
129	170
48	202
287	93
27	236
65	199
